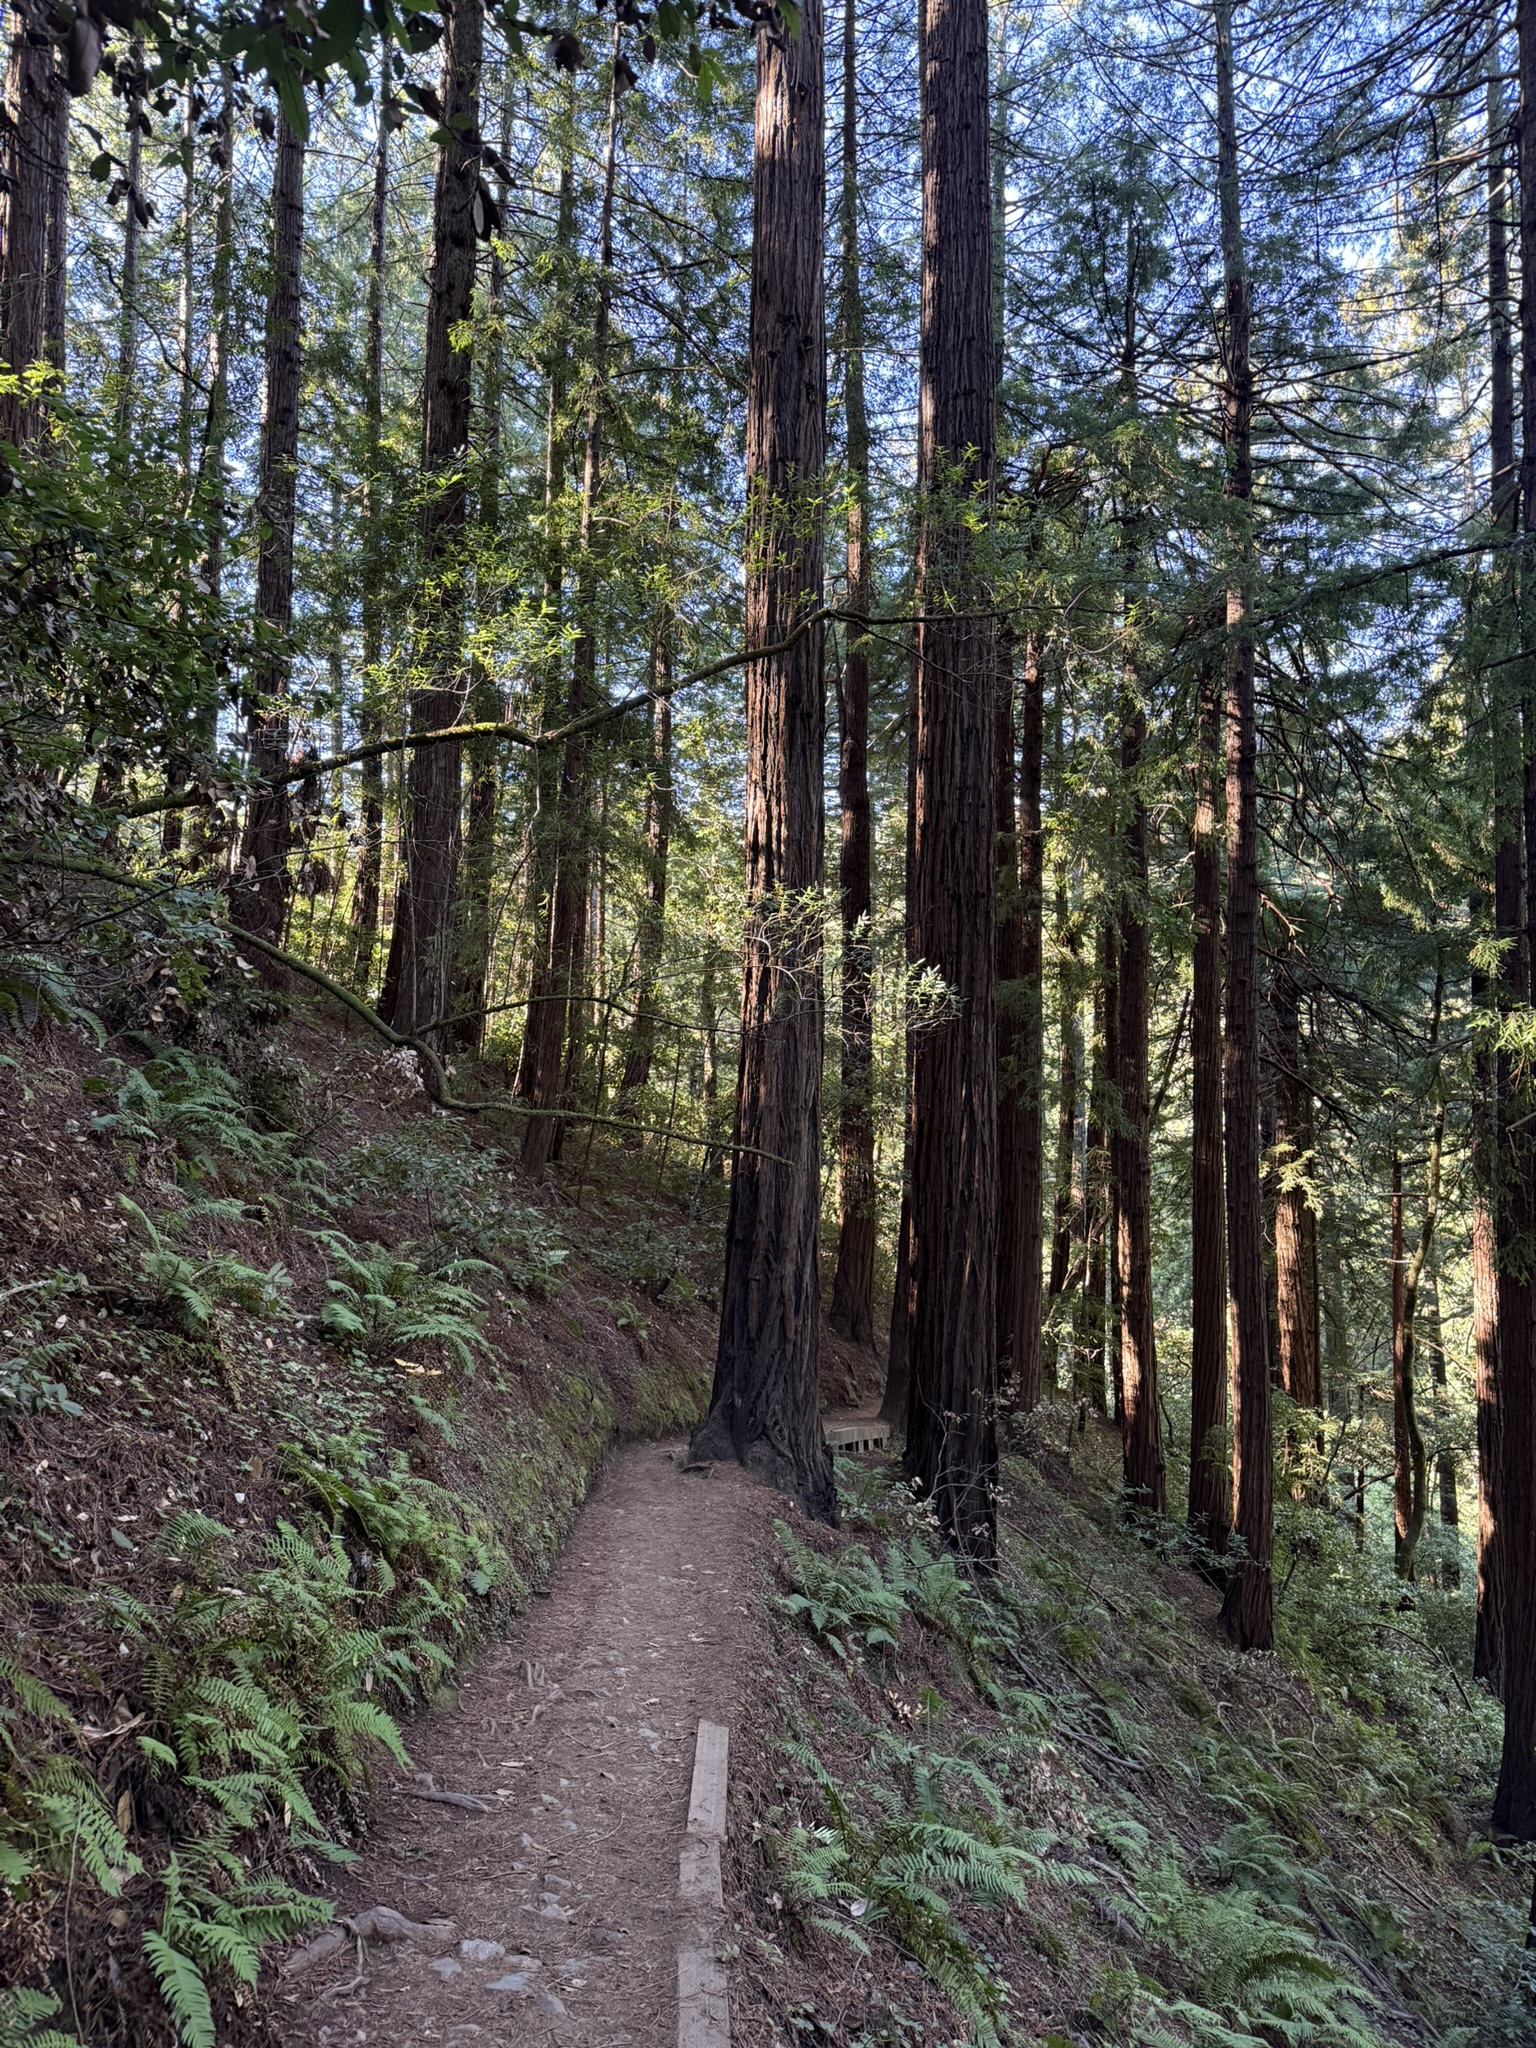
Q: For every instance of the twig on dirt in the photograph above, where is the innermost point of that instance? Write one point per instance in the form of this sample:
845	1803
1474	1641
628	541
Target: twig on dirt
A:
338	1991
469	1803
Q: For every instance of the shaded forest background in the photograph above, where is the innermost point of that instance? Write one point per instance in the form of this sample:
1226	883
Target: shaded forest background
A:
367	385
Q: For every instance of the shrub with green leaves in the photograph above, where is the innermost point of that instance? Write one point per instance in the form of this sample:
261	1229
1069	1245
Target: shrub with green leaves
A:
468	1195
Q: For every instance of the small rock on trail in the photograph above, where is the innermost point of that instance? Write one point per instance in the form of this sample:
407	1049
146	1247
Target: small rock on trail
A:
577	1734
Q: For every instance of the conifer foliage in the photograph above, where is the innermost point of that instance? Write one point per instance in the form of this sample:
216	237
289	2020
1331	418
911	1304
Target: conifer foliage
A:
476	496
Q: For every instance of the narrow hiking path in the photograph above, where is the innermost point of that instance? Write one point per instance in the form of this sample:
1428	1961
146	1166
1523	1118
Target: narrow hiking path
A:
577	1733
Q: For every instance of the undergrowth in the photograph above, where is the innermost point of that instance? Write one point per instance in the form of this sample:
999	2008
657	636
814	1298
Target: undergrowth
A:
193	1704
1082	1818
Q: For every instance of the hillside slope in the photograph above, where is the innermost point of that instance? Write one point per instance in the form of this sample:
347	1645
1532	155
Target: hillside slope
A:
301	1385
1061	1809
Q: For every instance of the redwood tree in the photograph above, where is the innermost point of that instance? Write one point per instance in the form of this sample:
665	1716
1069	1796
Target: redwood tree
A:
951	1425
1296	1281
764	1408
1210	1493
417	977
1028	1046
370	855
27	151
1248	1610
1514	1805
852	1313
259	892
552	1042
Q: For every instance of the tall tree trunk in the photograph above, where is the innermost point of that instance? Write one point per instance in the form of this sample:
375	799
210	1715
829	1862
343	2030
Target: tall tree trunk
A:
179	761
476	934
27	151
56	282
1064	1200
1336	1359
852	1313
135	217
1131	1171
764	1408
419	973
1012	1004
1210	1490
652	934
1488	1647
186	290
544	851
1448	1569
1140	1421
370	847
1410	1466
27	154
259	891
208	489
1501	1304
1030	1047
551	1047
951	1424
898	1370
1248	1610
1514	1805
1295	1221
1097	1228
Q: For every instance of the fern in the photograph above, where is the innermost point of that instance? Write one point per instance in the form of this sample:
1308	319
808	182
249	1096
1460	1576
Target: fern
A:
213	1924
384	1301
843	1601
184	1990
35	990
24	2017
194	1106
32	1696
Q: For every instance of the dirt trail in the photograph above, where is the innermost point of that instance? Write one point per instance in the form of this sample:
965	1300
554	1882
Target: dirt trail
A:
577	1733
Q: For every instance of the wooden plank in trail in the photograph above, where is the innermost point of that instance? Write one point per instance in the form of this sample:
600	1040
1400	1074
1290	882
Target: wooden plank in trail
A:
706	1806
703	1996
703	2003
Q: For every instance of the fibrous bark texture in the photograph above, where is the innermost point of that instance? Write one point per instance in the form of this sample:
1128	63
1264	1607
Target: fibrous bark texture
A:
259	892
1248	1609
951	1426
852	1312
764	1408
418	975
1296	1284
1141	1432
28	149
1210	1488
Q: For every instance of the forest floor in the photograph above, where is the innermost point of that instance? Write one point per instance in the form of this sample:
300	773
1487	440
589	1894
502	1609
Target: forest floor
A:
577	1735
337	1467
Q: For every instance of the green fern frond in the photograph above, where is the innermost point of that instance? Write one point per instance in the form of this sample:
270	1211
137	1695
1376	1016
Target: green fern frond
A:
184	1991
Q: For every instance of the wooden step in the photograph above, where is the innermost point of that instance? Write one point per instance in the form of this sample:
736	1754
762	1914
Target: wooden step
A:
858	1436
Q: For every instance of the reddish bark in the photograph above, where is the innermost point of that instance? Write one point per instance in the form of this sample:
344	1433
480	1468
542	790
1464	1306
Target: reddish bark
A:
951	1425
1248	1609
764	1405
1210	1490
1141	1430
852	1312
418	977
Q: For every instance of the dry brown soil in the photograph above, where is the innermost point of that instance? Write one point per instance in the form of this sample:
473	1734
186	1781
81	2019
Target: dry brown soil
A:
577	1733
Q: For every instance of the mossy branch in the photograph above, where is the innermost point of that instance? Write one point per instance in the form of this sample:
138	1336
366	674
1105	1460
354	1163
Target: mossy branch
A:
491	728
437	1083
